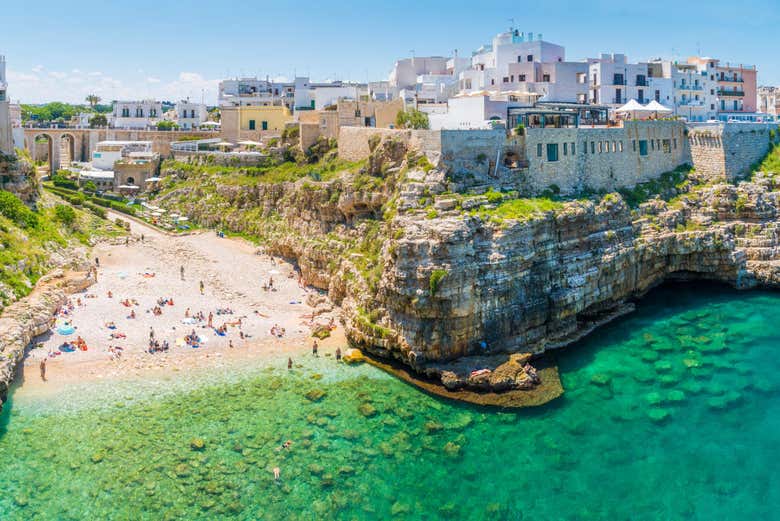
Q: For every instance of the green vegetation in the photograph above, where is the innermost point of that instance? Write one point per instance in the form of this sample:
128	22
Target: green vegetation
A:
521	209
98	120
60	179
167	125
412	118
57	111
92	202
28	238
435	279
667	186
771	163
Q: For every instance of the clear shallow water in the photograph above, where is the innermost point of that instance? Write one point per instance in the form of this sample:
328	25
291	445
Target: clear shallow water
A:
671	413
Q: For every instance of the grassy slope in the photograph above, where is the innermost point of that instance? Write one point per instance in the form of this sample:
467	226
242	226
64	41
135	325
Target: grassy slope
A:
26	250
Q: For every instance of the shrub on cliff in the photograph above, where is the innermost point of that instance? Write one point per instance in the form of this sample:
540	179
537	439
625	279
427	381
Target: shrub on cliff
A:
12	208
435	280
65	214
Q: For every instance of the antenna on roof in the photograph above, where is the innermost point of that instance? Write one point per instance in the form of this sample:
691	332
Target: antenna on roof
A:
511	24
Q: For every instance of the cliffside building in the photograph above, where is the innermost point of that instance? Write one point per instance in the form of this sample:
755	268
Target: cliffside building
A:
6	137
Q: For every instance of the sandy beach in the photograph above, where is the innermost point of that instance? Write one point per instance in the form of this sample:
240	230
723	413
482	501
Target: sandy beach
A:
233	276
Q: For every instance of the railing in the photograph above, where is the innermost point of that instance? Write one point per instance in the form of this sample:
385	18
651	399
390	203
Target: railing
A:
726	79
691	87
731	93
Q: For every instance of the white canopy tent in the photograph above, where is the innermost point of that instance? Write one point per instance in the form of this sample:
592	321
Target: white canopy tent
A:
635	110
657	108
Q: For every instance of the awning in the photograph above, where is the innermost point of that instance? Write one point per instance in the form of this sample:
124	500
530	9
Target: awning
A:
657	107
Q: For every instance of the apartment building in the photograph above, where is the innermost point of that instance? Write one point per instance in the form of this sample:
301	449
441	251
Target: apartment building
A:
256	92
190	115
427	79
614	81
525	63
136	114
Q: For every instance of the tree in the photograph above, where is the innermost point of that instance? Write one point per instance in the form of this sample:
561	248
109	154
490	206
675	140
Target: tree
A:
93	100
98	120
167	125
90	186
412	118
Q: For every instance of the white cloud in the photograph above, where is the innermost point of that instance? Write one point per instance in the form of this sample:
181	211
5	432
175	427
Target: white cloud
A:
40	86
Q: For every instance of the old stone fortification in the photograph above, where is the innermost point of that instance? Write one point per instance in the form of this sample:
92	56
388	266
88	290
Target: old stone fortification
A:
728	151
575	160
18	177
604	158
32	316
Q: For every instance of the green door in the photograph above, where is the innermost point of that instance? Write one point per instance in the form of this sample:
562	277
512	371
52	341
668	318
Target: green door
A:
251	124
265	125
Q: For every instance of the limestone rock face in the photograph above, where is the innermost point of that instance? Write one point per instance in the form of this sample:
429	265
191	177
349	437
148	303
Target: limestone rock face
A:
448	283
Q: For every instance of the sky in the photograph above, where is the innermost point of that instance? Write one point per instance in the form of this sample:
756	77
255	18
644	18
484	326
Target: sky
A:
63	50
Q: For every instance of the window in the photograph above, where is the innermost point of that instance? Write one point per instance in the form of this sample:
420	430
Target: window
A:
521	77
658	96
658	144
614	147
641	80
618	80
252	124
125	113
139	112
264	125
539	150
592	147
675	143
641	95
642	147
552	151
620	145
652	144
152	113
530	58
357	113
506	79
519	59
573	150
546	77
492	81
512	78
667	146
601	147
633	144
565	149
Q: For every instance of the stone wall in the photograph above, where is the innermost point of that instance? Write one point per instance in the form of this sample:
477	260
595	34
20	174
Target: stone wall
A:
354	142
604	158
728	151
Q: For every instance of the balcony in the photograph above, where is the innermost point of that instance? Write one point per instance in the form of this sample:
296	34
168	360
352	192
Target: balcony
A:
691	103
691	87
731	93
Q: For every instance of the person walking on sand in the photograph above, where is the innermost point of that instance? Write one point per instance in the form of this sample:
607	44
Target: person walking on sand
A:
289	363
151	333
97	261
314	347
181	271
338	354
201	287
211	319
142	237
43	369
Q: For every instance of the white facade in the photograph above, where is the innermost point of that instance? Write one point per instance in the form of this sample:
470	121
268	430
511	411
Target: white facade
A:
524	63
6	138
405	72
109	152
190	115
470	112
136	114
768	100
614	81
255	92
327	96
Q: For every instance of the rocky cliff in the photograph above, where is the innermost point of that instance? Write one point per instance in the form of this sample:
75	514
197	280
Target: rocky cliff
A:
449	282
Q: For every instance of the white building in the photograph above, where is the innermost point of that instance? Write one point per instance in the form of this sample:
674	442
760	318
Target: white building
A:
470	112
769	100
255	92
190	115
525	63
614	81
109	152
136	114
6	138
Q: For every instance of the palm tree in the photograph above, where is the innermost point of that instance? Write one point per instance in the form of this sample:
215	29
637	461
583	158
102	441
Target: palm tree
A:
93	99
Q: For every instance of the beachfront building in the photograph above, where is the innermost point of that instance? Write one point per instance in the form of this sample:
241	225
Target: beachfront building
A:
142	114
190	115
253	121
6	137
525	64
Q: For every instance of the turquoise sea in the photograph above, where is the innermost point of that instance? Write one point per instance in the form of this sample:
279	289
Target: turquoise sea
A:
670	413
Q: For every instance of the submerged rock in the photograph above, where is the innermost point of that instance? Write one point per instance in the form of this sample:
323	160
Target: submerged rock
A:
315	395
